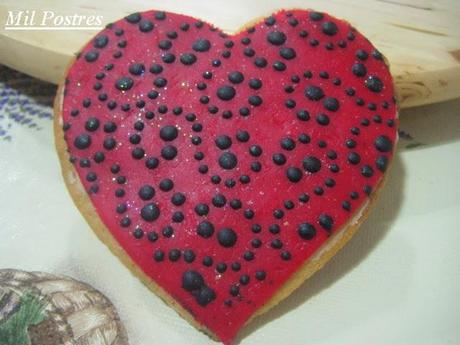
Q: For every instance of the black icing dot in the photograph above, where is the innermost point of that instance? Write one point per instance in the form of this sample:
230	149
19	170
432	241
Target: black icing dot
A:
223	142
306	231
367	171
287	53
260	62
367	189
228	160
160	15
230	183
221	267
146	192
168	58
314	93
316	16
256	228
260	275
331	103
165	44
242	136
330	28
285	255
226	92
256	243
145	25
256	166
255	100
377	55
124	83
188	59
202	209
294	174
279	66
83	141
167	231
304	138
205	296
270	21
244	279
362	54
381	163
192	280
156	68
255	83
169	152
177	217
205	229
326	222
160	82
322	119
311	164
383	143
359	69
354	158
219	200
249	52
276	38
91	56
99	157
274	229
293	22
152	162
150	212
287	144
374	83
303	115
207	261
166	185
152	236
236	77
100	41
136	69
201	45
227	237
279	158
158	255
255	150
92	124
168	133
133	18
278	214
248	256
138	233
178	199
125	222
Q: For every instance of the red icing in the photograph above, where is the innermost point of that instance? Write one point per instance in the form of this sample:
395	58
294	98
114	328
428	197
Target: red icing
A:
267	124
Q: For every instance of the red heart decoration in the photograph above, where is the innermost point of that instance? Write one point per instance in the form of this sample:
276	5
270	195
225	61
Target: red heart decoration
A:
220	164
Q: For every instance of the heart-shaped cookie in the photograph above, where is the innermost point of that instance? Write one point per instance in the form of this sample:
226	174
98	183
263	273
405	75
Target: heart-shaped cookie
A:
225	169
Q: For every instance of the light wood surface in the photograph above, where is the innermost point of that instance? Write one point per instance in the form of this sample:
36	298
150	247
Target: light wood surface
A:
420	38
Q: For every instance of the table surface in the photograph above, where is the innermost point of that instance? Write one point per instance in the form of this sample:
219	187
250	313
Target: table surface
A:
420	38
396	282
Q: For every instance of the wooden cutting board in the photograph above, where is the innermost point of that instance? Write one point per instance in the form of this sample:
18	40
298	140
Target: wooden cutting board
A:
420	38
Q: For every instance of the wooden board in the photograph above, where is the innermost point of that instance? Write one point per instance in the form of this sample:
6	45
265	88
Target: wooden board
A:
419	37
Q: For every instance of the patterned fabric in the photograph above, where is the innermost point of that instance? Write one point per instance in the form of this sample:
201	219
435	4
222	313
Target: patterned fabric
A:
24	101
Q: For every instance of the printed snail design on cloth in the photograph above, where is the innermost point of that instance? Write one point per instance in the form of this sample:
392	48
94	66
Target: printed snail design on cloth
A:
38	308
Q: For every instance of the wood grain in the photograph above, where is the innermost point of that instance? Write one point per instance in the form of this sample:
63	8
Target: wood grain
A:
419	37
